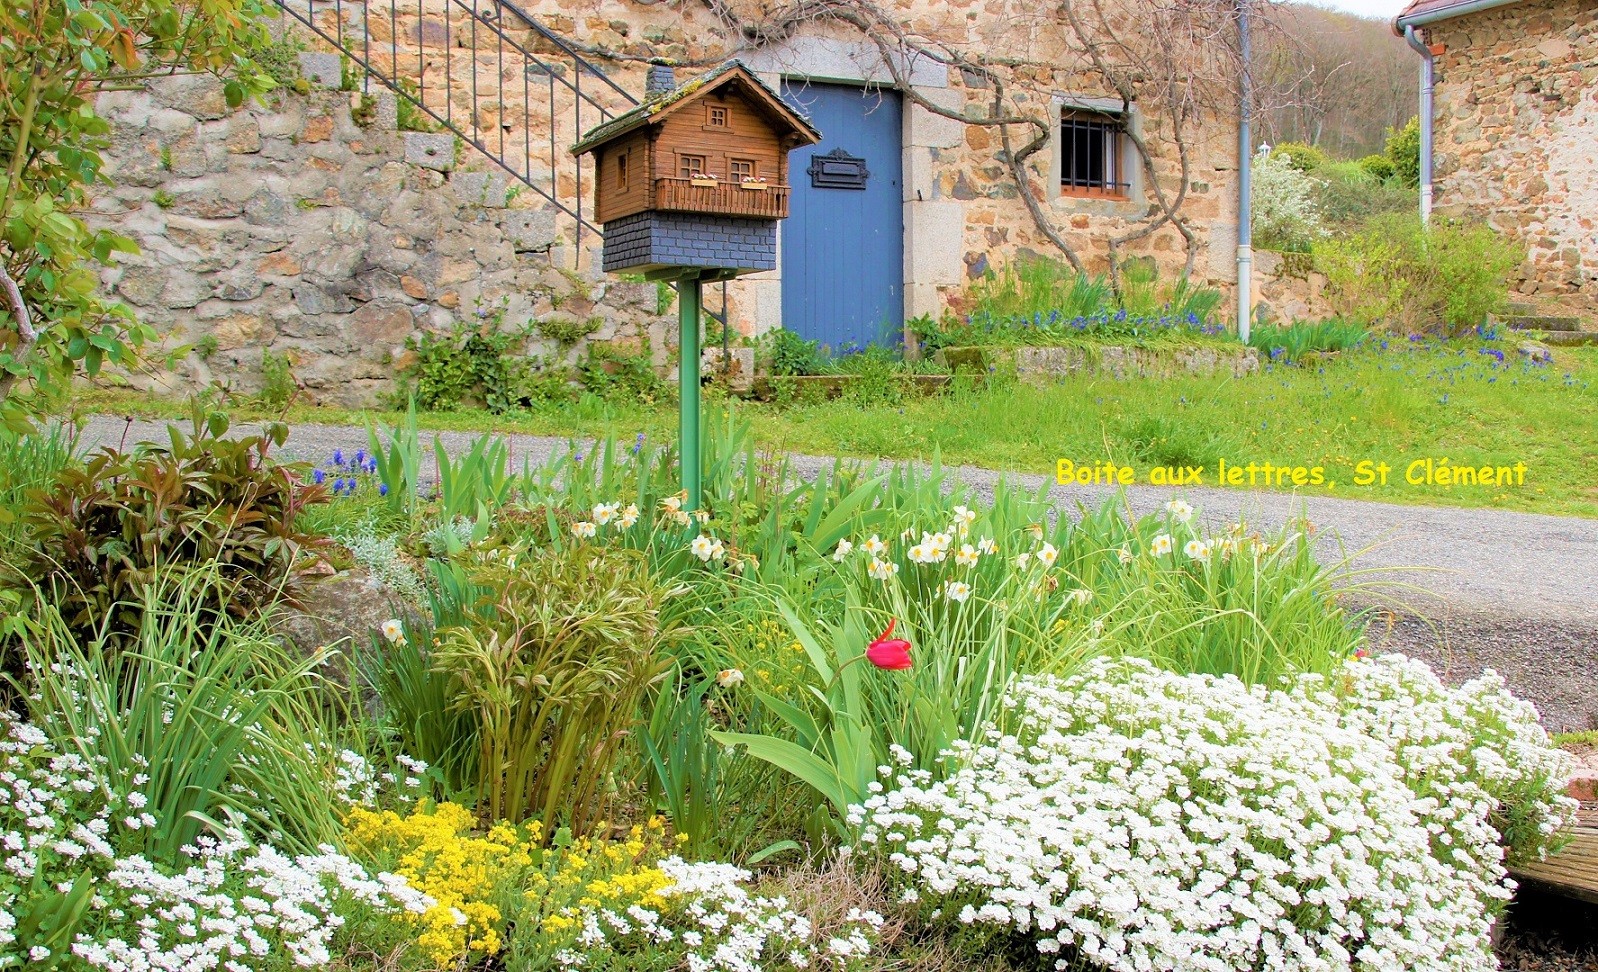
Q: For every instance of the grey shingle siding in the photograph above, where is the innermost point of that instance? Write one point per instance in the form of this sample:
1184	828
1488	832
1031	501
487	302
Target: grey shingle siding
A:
653	240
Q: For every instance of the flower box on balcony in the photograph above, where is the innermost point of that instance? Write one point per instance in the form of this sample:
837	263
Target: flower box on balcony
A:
753	186
707	182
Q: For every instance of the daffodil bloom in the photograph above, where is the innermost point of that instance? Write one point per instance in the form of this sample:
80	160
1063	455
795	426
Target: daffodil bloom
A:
583	528
964	515
844	546
957	591
1197	549
1081	595
987	546
1125	555
678	517
703	547
968	556
1047	555
703	516
920	554
1161	545
874	546
728	677
393	631
882	569
604	513
1179	509
629	516
1036	529
673	503
1021	560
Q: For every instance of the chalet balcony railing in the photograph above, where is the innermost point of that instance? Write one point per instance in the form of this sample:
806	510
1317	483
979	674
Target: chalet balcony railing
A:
763	200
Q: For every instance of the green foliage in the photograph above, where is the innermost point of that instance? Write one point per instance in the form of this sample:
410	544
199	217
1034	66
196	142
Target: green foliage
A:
278	386
554	659
163	199
30	462
790	354
279	58
1304	158
54	58
408	113
1347	194
616	375
1403	151
203	503
1447	277
419	706
567	333
1378	167
478	366
1289	344
212	720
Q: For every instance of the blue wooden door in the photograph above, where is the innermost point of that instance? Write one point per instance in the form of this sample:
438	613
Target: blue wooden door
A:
843	241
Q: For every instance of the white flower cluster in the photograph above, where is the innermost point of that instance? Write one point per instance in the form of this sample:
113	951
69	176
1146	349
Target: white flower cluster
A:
1145	820
233	906
721	927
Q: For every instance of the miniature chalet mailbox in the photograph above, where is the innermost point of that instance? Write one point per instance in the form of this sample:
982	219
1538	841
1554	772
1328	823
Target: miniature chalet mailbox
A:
689	187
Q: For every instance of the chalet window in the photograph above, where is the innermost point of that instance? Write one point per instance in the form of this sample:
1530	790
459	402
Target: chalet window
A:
741	169
1091	154
716	116
621	171
689	166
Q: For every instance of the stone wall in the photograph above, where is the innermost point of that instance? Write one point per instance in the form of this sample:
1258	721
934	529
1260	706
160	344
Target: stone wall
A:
295	230
1288	289
964	212
1517	134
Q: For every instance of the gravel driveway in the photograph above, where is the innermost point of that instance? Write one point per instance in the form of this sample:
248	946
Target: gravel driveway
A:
1517	592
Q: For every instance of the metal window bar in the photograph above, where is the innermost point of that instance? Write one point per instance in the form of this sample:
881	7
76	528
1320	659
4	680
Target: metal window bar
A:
431	84
1090	154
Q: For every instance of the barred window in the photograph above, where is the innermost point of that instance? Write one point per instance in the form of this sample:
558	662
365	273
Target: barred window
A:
1090	154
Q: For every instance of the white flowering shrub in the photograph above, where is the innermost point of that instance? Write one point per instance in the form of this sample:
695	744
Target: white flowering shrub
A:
716	925
1285	214
69	894
1142	820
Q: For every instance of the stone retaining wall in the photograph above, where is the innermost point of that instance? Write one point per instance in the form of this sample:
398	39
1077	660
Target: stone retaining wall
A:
295	230
1047	364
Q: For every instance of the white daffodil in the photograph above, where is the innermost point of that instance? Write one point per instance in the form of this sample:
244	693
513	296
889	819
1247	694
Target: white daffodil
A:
703	547
728	677
1125	555
1197	550
844	546
629	516
673	503
393	631
1021	560
1081	595
703	516
584	529
920	554
968	556
957	591
1179	509
882	569
605	512
987	546
1161	545
875	546
1047	555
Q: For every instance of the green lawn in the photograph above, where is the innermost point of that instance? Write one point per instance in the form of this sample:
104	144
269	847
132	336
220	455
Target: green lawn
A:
1396	407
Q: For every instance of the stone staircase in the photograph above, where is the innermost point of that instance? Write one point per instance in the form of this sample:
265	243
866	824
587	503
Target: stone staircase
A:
1564	331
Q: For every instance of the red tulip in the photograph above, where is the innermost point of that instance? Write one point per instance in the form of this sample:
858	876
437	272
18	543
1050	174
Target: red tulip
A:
890	653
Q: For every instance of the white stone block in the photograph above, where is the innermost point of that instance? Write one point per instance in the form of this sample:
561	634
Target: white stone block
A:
928	129
934	242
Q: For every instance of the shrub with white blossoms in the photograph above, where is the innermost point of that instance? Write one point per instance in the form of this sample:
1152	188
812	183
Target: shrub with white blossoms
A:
1144	820
718	926
64	888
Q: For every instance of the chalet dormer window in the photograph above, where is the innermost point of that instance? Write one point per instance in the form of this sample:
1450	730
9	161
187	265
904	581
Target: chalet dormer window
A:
716	116
1092	154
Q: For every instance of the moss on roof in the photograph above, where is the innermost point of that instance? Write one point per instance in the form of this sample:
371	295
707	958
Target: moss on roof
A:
653	107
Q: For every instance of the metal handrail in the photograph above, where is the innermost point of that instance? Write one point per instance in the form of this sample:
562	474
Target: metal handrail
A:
493	47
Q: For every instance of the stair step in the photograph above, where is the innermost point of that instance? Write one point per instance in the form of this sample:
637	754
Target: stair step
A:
1572	339
1533	322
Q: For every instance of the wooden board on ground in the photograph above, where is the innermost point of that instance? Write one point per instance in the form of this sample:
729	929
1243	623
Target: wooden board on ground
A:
1573	872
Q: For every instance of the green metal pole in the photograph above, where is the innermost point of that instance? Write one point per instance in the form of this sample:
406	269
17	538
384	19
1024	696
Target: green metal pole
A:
689	296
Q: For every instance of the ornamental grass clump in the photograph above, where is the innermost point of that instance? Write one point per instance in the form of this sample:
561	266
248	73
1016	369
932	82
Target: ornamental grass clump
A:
553	659
1138	819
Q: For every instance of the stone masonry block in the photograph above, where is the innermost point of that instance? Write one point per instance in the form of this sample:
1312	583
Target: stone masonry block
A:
430	150
927	129
936	232
322	70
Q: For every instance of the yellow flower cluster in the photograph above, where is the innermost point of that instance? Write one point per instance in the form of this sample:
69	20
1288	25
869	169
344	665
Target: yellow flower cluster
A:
608	875
440	853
